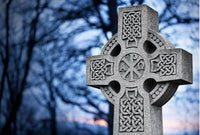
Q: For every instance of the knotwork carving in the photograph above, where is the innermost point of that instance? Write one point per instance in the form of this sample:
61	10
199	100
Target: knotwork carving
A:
131	117
131	67
100	68
165	64
131	27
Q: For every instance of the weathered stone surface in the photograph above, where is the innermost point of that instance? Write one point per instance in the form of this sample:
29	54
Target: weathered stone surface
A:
138	71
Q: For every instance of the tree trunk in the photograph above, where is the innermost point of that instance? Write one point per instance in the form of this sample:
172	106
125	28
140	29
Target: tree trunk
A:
6	59
110	118
53	120
52	109
112	4
6	129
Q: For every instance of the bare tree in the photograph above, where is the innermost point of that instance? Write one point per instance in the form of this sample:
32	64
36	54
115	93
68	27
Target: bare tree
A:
16	57
41	49
12	80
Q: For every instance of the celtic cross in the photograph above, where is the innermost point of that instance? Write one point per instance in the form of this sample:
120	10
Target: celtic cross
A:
138	71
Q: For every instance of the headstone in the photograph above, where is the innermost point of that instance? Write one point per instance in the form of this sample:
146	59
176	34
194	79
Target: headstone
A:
138	71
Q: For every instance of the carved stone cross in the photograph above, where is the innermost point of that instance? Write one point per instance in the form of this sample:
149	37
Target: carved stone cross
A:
138	71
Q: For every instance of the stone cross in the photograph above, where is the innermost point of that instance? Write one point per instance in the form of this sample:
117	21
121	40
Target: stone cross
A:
138	71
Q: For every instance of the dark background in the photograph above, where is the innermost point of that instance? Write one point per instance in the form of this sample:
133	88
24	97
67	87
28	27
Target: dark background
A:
43	46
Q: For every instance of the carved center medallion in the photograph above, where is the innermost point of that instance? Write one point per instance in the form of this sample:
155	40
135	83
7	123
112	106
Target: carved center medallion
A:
131	67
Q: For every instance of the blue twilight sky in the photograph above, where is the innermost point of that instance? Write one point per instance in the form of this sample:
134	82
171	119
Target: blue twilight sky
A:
180	114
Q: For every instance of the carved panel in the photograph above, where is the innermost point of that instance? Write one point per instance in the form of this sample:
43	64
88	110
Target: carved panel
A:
164	64
131	27
100	68
131	113
131	67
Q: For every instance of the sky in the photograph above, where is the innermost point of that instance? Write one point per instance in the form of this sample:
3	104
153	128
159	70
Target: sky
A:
180	114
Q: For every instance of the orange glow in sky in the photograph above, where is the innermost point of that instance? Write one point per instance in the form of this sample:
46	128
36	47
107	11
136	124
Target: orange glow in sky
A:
100	122
169	126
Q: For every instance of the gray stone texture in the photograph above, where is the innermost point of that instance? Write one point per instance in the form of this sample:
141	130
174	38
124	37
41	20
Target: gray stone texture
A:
138	71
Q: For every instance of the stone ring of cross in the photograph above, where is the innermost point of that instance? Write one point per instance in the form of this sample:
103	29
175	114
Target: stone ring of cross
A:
138	71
